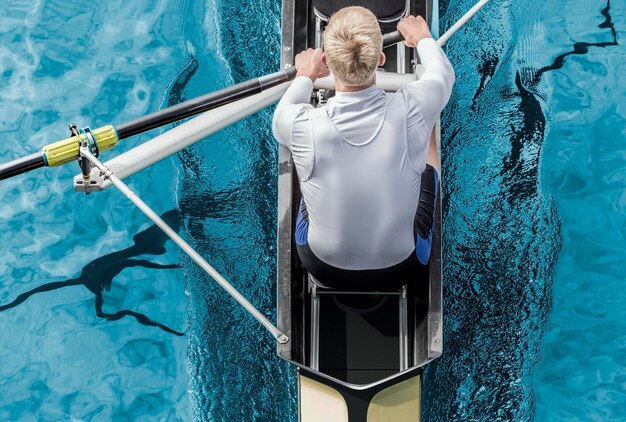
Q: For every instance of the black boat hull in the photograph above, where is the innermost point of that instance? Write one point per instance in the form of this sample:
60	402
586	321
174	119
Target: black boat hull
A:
359	358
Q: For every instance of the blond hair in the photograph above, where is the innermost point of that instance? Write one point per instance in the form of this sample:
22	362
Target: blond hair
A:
352	44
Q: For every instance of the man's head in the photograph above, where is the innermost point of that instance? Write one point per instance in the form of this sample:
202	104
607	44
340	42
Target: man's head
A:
353	46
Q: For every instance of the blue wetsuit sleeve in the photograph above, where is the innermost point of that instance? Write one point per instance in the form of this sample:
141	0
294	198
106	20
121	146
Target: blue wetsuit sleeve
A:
290	110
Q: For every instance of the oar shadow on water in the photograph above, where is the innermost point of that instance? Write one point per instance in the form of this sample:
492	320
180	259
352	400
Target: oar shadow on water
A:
97	276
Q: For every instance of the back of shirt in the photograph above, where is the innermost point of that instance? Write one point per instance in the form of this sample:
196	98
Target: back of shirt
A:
359	161
363	191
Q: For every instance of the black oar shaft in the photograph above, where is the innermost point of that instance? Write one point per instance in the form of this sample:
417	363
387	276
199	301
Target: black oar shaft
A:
21	165
168	115
203	103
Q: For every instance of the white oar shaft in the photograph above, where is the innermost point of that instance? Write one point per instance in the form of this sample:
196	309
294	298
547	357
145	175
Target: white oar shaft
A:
466	17
108	174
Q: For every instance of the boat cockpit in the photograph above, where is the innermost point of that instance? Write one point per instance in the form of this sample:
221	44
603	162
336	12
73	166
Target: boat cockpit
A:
358	343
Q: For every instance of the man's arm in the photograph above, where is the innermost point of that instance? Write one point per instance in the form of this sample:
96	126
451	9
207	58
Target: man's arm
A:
290	108
309	66
430	94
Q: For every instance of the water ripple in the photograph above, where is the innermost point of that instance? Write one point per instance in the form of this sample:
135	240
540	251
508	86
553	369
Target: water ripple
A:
549	137
501	232
581	374
228	198
91	64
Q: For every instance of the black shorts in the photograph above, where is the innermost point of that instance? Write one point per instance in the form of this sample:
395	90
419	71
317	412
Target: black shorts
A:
405	272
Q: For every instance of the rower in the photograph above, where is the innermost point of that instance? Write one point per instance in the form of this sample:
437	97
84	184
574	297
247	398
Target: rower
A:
366	162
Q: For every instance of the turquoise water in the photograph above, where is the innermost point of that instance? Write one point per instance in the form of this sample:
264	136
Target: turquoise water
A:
229	196
533	204
582	371
89	63
101	316
534	165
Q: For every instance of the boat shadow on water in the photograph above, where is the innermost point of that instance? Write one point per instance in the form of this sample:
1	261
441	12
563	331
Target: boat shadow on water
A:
97	276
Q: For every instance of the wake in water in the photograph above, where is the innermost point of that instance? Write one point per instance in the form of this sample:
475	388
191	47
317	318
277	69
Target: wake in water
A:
500	236
501	233
228	198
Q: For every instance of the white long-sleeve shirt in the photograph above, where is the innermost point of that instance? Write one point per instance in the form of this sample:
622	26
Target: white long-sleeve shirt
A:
359	161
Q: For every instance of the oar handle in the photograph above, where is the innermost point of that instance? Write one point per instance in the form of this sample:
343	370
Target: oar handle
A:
392	38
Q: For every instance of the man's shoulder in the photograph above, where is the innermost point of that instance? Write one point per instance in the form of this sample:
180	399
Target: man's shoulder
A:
304	113
400	98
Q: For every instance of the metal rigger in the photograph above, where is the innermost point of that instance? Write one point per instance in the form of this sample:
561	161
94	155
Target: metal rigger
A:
88	152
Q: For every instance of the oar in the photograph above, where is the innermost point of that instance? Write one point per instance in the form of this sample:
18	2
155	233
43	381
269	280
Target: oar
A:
106	137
